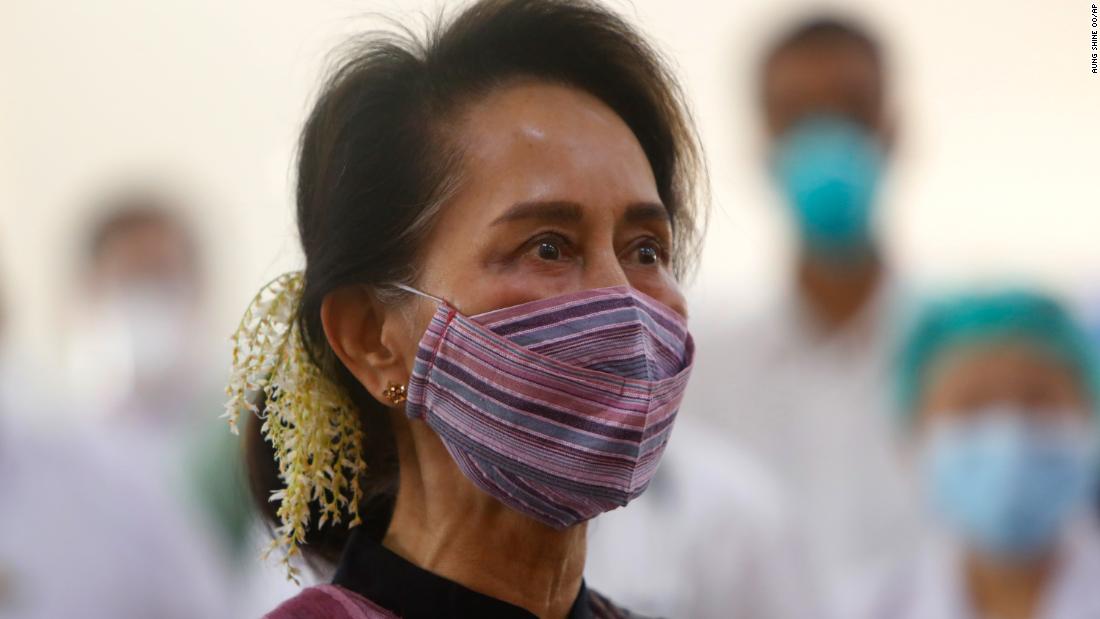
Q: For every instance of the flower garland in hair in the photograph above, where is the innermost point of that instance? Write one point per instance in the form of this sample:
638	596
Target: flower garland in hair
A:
309	420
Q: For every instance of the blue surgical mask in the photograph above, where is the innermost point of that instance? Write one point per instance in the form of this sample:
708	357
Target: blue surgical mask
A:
828	168
1006	484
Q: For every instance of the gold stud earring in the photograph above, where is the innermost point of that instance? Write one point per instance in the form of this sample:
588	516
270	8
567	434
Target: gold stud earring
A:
394	393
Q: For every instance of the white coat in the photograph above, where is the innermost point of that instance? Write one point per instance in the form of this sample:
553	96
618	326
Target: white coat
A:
707	540
813	408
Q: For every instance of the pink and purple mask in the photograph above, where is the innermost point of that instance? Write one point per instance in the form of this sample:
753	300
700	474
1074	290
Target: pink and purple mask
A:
559	408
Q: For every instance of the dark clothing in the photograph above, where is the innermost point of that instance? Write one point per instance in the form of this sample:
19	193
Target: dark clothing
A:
372	582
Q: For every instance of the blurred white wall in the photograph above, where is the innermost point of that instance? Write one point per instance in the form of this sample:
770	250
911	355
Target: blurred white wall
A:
997	166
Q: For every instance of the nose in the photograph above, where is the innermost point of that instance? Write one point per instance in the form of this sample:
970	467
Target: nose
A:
604	270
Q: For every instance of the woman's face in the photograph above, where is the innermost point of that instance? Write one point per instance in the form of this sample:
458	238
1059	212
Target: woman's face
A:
555	195
965	381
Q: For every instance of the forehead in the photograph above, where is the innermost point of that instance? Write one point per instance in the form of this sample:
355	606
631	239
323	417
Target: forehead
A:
533	140
828	73
998	362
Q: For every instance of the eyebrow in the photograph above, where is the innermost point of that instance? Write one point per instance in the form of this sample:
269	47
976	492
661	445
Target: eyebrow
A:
566	211
641	212
554	210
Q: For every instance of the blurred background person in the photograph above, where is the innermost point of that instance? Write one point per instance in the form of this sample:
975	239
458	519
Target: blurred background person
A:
140	357
998	393
803	383
137	348
75	526
149	377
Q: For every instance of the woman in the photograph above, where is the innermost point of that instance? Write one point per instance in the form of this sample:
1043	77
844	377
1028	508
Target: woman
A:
1000	391
487	346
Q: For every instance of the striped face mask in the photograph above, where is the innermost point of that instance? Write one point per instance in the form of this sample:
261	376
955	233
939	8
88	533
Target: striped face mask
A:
559	408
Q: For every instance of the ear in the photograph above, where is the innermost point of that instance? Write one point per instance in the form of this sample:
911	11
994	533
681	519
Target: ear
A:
356	328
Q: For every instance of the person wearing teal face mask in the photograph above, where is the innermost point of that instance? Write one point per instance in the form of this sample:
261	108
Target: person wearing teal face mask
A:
830	132
999	393
810	369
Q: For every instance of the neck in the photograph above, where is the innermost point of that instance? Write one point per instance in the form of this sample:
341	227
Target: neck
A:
444	524
1007	590
837	291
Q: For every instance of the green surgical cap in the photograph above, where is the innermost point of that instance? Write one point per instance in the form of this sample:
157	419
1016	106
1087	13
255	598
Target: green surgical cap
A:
976	319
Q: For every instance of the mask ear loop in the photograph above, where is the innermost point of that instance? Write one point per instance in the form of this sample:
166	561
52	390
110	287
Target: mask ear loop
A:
419	293
415	387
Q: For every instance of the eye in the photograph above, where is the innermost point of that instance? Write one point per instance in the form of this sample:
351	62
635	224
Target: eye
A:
548	247
549	250
647	251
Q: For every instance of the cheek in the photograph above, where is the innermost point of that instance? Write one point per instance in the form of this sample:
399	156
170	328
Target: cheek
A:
1070	396
506	290
661	285
409	328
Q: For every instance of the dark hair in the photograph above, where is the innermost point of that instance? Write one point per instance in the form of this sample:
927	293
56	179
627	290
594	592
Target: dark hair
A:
818	29
376	161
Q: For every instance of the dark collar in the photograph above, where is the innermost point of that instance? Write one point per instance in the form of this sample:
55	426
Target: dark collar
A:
411	592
